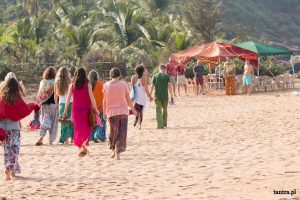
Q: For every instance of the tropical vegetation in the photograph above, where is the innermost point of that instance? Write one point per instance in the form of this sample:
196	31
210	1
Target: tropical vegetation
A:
38	33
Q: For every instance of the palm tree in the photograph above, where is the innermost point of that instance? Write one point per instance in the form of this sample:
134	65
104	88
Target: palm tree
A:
126	19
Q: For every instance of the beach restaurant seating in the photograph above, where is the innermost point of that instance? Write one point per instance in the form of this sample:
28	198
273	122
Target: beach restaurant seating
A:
239	83
212	81
255	84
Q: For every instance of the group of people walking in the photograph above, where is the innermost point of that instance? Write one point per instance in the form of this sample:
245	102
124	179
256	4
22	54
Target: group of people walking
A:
85	104
76	104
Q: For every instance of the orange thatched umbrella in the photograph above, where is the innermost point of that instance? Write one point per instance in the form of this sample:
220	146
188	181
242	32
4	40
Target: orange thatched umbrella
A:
213	53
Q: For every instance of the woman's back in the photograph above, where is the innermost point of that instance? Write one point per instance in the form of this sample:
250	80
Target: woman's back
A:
140	94
98	93
81	97
115	96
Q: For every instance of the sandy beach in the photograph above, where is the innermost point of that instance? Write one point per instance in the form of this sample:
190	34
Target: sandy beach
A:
215	147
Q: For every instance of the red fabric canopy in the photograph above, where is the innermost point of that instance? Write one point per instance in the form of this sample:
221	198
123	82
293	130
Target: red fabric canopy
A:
212	53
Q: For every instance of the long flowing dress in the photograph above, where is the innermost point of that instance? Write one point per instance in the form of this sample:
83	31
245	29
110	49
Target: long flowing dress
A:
80	115
67	129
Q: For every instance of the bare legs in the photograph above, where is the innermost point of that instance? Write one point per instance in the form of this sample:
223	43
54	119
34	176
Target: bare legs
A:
8	175
185	89
174	89
139	120
83	151
116	154
248	89
39	142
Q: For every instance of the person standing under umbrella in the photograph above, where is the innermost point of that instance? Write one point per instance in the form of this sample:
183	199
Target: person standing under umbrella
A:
198	71
247	77
230	72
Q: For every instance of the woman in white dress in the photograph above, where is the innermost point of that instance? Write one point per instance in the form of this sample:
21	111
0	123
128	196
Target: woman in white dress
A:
140	88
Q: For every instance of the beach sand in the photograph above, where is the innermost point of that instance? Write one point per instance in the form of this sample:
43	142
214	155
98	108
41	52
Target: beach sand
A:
215	147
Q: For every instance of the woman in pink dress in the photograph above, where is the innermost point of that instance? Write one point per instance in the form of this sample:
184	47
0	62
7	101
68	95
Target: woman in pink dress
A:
115	107
83	101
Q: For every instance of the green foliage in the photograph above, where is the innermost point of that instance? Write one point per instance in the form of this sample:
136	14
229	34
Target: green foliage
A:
38	33
4	69
204	18
271	67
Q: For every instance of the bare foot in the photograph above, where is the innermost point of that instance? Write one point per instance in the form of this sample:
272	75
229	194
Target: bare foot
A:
83	151
118	156
113	155
13	174
50	143
39	142
7	175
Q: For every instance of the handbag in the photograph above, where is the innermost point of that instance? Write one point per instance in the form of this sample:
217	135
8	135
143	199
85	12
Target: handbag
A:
92	118
2	132
132	92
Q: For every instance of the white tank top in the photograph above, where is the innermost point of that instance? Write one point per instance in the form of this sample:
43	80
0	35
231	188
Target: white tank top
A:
140	94
63	99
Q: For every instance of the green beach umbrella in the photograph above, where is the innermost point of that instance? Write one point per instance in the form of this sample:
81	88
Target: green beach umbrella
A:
264	49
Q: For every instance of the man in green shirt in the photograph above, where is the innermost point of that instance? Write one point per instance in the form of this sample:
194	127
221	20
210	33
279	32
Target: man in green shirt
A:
161	83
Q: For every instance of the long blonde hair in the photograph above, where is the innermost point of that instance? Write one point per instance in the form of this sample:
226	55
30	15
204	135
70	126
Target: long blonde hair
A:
62	81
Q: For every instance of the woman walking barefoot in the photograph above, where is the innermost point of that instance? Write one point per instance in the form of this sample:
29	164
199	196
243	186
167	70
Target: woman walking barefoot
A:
99	132
61	87
139	82
48	107
115	107
13	109
83	101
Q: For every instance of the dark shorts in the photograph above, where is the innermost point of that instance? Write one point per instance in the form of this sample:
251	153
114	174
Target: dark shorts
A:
138	108
199	81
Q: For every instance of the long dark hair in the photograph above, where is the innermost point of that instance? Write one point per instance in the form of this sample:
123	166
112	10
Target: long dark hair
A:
80	78
93	78
139	70
11	91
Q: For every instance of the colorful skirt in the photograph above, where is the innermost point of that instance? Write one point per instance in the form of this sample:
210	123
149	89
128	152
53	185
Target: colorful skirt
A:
99	133
118	132
12	150
67	129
